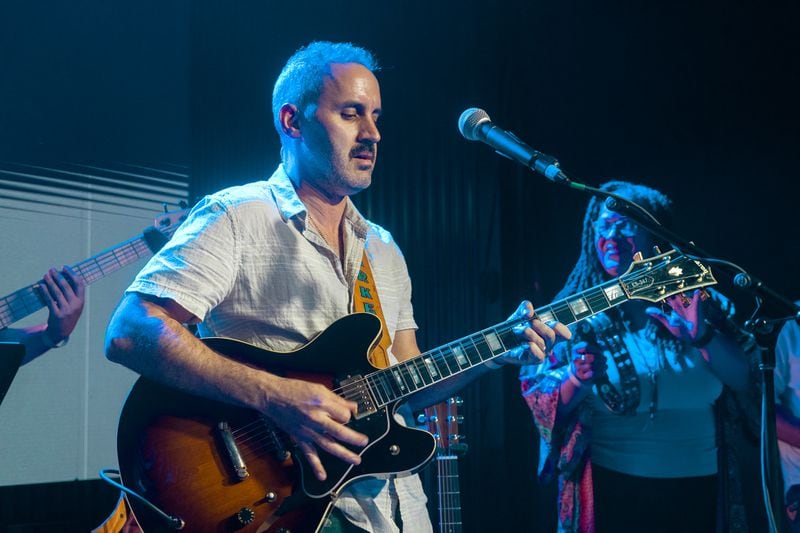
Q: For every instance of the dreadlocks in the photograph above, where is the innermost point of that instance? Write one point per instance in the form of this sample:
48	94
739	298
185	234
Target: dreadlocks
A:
588	272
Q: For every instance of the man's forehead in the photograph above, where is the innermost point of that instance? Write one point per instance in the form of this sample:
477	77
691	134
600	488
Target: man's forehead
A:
351	80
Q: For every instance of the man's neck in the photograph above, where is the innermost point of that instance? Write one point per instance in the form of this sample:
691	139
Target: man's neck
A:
325	208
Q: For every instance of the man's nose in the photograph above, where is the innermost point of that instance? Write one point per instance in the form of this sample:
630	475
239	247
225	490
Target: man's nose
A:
369	131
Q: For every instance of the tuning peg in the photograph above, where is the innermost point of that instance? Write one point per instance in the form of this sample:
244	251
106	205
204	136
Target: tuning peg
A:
656	250
638	256
457	419
457	400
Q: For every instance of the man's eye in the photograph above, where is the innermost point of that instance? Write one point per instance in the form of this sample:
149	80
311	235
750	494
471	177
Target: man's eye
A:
349	116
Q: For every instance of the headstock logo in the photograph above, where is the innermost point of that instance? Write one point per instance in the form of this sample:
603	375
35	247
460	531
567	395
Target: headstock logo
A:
641	283
675	271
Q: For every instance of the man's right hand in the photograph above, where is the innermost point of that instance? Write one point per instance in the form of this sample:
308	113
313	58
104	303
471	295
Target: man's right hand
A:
315	418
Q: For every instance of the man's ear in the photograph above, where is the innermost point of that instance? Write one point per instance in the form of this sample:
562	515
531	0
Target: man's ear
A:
290	120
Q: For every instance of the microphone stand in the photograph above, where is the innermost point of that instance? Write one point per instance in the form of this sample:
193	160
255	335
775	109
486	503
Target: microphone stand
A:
763	328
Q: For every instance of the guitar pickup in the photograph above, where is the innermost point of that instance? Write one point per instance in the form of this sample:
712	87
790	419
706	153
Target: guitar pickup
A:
355	389
234	456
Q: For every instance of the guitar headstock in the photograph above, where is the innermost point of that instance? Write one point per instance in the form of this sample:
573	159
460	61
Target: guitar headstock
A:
442	421
167	223
664	275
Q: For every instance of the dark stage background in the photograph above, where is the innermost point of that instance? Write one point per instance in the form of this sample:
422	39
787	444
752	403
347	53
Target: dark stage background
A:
698	99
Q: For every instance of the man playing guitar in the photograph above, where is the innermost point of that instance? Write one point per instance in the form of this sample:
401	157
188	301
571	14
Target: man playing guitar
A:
273	263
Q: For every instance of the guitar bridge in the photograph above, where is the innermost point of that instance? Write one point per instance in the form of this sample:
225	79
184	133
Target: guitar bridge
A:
355	389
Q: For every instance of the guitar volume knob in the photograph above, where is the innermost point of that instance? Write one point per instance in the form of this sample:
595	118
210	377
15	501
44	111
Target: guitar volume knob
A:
245	516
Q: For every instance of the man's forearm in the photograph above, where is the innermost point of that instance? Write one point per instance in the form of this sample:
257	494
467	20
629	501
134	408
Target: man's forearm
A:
146	339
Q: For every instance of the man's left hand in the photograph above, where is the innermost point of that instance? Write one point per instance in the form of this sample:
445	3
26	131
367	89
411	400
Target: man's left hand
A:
536	337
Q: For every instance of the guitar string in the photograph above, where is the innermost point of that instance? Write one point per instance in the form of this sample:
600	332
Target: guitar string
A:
440	358
90	270
439	355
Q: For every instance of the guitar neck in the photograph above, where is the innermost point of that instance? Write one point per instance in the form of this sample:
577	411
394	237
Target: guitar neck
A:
401	380
449	494
27	300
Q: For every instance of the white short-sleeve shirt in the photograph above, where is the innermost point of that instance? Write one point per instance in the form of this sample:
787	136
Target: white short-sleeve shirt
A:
787	393
248	265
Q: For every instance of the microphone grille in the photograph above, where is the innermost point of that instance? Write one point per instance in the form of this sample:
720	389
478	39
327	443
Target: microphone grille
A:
470	120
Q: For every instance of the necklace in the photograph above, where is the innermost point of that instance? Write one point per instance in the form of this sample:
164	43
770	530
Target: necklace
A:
654	369
331	241
318	230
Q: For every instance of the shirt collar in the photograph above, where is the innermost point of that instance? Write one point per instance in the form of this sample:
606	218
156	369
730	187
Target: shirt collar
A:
290	205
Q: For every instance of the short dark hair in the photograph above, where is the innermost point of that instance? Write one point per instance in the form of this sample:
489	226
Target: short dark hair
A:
300	81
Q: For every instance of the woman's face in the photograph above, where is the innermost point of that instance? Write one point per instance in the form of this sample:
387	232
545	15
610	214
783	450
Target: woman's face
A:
616	239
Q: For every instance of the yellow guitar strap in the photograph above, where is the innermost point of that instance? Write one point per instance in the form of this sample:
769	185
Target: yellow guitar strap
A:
365	299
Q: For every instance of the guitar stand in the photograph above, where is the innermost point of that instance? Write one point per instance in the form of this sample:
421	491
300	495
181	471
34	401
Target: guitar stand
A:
11	354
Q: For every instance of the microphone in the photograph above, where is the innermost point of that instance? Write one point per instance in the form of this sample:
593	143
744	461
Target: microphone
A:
475	125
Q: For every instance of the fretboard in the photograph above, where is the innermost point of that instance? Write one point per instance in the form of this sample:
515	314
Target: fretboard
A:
398	381
28	300
449	494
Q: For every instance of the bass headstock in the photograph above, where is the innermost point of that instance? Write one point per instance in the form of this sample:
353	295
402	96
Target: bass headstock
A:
167	223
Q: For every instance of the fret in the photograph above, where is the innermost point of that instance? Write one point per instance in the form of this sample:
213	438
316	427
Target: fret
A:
493	342
394	383
597	300
422	370
397	381
460	356
614	293
26	301
430	365
545	314
405	373
579	308
449	494
416	379
377	390
438	358
509	338
472	353
388	387
563	313
480	345
18	306
451	359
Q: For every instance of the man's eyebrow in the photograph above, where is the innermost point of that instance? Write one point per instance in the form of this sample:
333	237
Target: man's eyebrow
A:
359	105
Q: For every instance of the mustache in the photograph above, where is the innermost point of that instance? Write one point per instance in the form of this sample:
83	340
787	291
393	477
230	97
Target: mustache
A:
363	148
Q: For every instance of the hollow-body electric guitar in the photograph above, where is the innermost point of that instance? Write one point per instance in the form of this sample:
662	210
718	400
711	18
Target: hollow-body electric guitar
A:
216	467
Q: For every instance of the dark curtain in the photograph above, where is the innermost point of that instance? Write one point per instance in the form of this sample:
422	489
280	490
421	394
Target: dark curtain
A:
696	99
